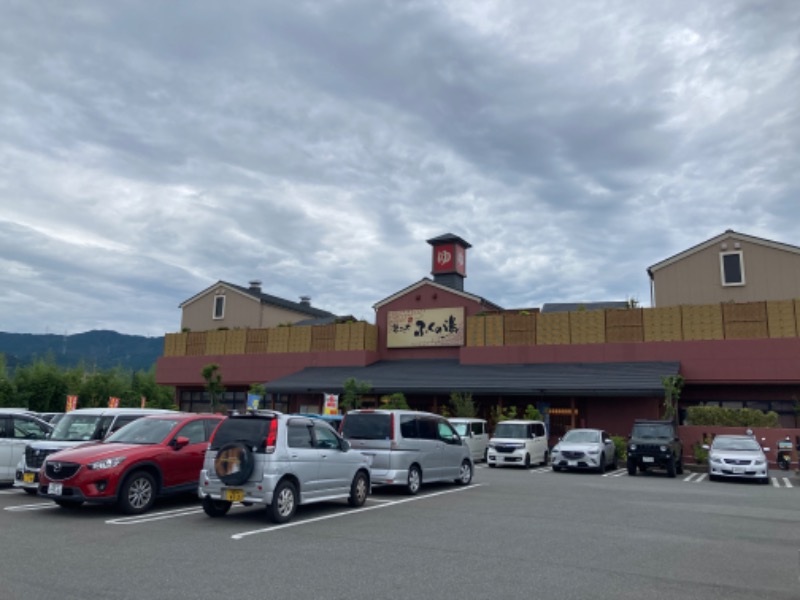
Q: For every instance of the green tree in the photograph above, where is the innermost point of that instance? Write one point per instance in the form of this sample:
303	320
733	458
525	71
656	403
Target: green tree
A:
40	386
8	392
158	396
352	392
532	413
463	405
396	400
214	385
97	387
673	385
499	413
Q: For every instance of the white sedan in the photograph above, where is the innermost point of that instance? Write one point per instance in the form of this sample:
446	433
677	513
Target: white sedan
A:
739	456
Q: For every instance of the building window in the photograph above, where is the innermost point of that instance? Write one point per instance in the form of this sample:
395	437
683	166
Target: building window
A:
219	307
731	267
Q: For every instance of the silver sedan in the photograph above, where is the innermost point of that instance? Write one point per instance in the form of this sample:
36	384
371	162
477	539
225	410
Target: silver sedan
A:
585	449
738	456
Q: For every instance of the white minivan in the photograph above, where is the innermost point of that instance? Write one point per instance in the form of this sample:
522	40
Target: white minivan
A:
475	432
18	428
408	447
518	443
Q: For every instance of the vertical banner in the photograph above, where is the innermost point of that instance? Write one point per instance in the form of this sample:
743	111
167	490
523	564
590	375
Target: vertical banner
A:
144	402
253	401
113	402
331	404
72	403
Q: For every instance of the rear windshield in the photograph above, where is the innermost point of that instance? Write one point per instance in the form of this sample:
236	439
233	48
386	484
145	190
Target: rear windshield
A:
367	426
248	430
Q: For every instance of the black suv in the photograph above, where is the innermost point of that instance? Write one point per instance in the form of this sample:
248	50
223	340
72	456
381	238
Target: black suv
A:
655	444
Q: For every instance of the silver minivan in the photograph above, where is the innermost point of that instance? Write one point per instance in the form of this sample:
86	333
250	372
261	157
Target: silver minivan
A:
18	428
408	447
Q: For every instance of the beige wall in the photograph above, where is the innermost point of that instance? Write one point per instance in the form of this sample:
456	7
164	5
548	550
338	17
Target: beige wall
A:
769	273
241	311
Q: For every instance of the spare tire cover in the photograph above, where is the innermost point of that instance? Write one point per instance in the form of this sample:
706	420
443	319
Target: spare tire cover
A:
234	463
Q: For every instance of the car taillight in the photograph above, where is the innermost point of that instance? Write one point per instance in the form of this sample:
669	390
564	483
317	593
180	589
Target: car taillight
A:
272	436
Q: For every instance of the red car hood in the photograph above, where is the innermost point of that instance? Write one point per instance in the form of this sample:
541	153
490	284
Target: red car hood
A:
93	452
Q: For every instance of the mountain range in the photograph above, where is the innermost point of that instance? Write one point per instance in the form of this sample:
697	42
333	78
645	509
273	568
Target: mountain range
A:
100	349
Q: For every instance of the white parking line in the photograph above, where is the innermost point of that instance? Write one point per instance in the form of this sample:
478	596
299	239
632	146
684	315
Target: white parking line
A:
690	477
542	470
27	507
788	483
775	482
169	514
10	492
244	534
701	478
617	473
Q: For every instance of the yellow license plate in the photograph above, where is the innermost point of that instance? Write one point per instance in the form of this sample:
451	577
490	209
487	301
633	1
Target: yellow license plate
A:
233	495
28	477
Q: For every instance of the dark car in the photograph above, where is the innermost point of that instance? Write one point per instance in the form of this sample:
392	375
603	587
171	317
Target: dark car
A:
151	457
655	444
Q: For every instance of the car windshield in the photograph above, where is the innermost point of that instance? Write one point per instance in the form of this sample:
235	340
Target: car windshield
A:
76	428
655	430
735	444
144	431
511	430
461	428
581	436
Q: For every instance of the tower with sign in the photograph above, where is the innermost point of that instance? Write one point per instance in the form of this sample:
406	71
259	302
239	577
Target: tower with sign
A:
449	260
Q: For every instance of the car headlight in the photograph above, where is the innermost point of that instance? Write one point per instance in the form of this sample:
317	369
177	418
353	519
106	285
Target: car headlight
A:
491	445
106	463
632	447
759	461
556	450
663	448
715	459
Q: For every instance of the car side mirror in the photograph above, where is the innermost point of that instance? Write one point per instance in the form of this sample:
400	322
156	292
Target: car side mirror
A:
766	449
705	447
179	442
344	445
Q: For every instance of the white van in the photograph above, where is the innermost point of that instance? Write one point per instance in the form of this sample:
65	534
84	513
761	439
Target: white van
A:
76	427
475	432
18	428
408	447
518	442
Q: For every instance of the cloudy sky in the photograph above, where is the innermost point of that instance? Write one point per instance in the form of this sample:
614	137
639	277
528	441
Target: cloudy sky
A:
149	149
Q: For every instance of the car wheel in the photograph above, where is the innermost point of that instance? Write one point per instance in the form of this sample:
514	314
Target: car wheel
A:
492	465
485	456
284	502
671	469
556	469
631	468
465	475
764	480
679	467
216	508
613	464
601	467
234	463
545	459
138	493
527	461
359	490
69	504
712	477
30	492
414	480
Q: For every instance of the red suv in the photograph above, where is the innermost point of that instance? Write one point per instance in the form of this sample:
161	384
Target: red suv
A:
151	457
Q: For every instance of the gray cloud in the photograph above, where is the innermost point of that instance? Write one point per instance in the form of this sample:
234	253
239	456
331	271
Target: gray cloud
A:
150	149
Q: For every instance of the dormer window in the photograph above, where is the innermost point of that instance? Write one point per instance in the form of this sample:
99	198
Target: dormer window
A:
219	307
731	266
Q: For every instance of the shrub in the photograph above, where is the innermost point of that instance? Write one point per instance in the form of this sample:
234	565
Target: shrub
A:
532	413
700	454
462	404
621	446
730	417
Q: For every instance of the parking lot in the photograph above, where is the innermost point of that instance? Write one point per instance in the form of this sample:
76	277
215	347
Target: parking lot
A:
511	534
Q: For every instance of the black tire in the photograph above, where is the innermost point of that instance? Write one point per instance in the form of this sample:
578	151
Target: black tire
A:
359	490
69	504
414	480
614	465
631	468
546	459
216	508
527	463
485	455
671	469
556	469
601	468
30	492
679	466
234	463
284	502
712	477
137	494
492	465
764	480
465	475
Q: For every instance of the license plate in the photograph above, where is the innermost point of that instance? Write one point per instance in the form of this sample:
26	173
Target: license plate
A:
572	463
233	495
28	477
738	469
648	459
55	489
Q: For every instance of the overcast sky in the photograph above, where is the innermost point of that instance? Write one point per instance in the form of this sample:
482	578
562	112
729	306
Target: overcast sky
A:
150	149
